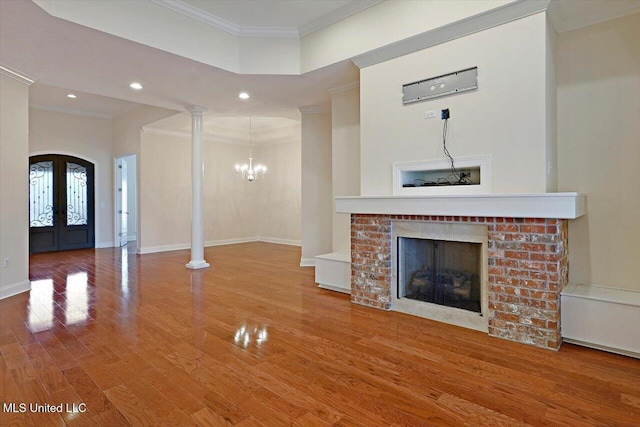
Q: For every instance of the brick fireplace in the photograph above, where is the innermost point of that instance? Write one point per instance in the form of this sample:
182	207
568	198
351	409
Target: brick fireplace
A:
526	255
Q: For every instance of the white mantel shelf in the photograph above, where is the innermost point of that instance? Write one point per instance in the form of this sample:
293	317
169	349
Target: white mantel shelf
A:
541	205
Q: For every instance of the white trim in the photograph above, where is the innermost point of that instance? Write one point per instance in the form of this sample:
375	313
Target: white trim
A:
473	24
601	293
601	347
270	32
199	15
307	262
314	110
279	241
102	245
334	288
224	25
336	15
70	111
221	242
484	162
543	205
164	248
132	237
235	241
14	289
219	139
343	88
196	265
16	75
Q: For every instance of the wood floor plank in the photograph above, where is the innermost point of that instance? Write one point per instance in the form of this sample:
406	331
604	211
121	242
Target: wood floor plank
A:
252	341
131	408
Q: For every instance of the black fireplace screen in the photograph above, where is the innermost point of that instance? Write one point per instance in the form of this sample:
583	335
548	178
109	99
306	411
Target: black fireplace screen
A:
440	272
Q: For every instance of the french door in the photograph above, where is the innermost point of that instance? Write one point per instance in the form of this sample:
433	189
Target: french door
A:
61	203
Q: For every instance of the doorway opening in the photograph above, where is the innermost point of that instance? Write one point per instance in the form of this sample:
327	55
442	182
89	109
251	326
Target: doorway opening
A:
61	203
126	226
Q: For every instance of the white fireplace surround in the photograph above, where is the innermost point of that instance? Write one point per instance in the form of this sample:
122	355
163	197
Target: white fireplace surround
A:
539	205
471	233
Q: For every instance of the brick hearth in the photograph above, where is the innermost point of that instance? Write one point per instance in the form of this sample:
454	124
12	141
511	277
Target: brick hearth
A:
528	267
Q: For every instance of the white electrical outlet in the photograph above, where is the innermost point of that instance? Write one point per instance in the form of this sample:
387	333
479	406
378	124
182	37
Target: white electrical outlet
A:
431	114
5	263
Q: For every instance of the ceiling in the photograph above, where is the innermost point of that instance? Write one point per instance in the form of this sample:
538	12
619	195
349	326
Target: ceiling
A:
65	57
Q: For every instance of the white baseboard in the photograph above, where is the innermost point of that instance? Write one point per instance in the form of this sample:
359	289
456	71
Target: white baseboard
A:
164	248
307	262
602	318
279	241
131	237
223	242
102	245
14	289
208	243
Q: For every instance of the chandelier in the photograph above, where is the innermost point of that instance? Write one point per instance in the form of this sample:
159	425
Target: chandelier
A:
248	171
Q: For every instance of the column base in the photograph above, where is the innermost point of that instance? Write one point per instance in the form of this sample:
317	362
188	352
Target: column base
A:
194	265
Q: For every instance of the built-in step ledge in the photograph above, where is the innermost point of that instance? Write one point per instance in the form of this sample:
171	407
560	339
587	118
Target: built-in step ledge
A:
603	318
333	272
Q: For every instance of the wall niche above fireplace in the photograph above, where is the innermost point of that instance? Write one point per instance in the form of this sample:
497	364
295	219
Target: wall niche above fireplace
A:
472	175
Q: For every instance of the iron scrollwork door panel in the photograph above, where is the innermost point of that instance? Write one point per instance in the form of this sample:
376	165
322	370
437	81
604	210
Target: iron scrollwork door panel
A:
61	200
43	234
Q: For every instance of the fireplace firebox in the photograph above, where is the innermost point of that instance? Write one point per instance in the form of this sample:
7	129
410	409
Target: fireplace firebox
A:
440	272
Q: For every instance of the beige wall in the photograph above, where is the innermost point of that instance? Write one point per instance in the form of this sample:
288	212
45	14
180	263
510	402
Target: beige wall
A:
126	128
599	149
88	138
317	205
504	118
279	193
345	160
14	190
362	32
234	210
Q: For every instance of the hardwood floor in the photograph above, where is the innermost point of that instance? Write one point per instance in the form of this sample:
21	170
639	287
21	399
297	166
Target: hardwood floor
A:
251	341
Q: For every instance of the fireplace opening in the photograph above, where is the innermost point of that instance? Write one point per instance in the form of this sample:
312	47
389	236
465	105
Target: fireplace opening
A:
442	272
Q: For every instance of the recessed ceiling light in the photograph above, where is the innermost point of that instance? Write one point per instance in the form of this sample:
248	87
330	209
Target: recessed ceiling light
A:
72	96
243	95
135	85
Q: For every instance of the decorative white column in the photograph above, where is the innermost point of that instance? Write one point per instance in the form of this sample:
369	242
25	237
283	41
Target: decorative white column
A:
197	173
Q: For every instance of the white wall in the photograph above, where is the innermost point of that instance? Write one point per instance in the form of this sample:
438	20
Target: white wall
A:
504	118
362	32
317	200
234	210
126	128
86	137
345	160
279	194
599	149
14	190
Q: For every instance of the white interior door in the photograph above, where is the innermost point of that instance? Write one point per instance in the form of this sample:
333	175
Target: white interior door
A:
121	200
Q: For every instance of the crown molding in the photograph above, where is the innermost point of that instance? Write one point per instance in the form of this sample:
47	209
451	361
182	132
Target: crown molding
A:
224	25
280	32
336	15
208	137
343	88
314	110
70	111
16	75
473	24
